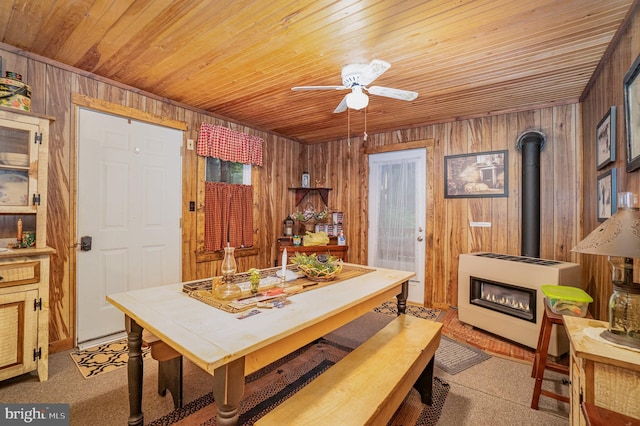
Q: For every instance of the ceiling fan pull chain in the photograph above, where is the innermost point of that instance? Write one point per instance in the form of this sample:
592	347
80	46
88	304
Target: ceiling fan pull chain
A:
365	124
349	127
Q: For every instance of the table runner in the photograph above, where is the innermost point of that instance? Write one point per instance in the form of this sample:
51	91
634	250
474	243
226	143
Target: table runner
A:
201	290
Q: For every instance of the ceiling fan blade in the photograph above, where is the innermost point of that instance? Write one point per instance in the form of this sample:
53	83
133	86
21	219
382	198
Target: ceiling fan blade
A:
404	95
342	106
318	88
374	70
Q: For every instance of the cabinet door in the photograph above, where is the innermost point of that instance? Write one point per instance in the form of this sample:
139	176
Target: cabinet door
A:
19	146
19	331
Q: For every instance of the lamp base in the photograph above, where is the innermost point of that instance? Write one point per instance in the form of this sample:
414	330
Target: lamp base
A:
227	291
620	339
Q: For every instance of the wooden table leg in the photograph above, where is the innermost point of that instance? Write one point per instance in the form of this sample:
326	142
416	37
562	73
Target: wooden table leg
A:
134	371
228	387
402	298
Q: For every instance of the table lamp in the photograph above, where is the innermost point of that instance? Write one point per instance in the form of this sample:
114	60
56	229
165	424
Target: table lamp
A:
619	238
228	290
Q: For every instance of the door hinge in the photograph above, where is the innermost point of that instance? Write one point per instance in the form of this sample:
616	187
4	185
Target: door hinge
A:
37	304
36	199
37	354
38	138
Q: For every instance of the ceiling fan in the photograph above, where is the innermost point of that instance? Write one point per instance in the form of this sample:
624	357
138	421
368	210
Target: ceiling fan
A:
356	77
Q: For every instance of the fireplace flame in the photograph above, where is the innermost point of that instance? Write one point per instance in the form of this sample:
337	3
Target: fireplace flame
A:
511	302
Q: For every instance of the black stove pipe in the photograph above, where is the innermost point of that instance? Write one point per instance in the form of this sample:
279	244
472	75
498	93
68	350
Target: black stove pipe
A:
531	144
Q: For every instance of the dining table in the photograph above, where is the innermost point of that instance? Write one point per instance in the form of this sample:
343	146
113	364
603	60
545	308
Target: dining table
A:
231	345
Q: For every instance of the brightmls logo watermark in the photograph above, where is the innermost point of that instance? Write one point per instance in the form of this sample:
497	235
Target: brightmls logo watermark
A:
34	414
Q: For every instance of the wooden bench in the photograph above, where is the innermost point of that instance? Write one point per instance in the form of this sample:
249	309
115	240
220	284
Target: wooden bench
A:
169	367
369	384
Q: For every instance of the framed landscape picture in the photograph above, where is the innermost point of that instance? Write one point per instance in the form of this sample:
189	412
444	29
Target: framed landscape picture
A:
606	139
632	115
479	174
606	195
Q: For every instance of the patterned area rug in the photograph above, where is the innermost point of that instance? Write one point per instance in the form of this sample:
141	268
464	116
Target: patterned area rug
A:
268	387
391	308
103	358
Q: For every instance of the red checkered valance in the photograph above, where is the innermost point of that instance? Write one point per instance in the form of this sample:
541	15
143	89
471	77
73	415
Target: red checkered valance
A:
229	145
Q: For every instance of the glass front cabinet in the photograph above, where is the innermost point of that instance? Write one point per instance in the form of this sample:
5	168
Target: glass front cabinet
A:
24	255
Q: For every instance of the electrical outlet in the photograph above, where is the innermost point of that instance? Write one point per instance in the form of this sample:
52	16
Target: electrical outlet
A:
190	144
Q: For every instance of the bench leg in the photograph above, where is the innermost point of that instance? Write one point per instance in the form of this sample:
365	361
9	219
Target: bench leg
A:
170	378
424	384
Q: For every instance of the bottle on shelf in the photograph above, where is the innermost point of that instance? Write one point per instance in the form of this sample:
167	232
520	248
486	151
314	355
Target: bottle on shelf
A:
342	240
19	234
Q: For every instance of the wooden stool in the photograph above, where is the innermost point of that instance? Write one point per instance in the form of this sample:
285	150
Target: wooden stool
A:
549	319
169	367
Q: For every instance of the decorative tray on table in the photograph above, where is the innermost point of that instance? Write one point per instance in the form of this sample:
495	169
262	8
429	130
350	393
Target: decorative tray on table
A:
268	290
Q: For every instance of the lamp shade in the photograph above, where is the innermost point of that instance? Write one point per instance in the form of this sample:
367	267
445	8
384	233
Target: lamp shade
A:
357	99
617	236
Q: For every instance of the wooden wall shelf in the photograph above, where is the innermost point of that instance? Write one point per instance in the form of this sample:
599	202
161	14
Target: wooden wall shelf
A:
302	192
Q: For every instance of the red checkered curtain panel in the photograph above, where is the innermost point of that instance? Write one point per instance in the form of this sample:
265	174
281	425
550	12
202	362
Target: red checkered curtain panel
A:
228	213
241	217
229	145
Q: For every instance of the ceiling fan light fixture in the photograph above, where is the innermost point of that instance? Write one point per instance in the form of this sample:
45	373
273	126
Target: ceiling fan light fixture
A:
357	99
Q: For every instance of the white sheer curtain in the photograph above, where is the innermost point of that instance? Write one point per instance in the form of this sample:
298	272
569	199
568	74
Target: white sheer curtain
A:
392	191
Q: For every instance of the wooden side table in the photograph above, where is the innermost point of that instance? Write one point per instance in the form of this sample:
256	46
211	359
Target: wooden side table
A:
601	373
334	250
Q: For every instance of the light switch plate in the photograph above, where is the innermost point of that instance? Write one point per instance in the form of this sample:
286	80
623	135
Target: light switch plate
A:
190	144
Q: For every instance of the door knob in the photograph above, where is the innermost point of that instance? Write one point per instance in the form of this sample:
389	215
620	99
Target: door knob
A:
420	238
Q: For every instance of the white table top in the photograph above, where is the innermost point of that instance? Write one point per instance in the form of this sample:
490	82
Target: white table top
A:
211	337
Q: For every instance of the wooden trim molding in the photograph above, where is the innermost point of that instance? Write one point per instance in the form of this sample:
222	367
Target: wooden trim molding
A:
425	143
128	112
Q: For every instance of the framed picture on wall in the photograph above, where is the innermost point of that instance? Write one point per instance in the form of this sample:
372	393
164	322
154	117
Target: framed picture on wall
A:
606	139
606	195
480	174
632	115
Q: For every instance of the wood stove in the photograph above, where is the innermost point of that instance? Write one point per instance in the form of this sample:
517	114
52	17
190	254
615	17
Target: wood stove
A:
502	294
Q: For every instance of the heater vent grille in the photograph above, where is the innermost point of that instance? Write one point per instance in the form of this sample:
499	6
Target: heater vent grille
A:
522	259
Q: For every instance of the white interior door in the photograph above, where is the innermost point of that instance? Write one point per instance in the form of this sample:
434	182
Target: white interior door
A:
129	203
397	214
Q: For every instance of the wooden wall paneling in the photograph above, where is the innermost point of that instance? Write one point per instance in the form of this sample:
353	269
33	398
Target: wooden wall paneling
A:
439	287
189	194
359	207
544	122
36	71
479	134
499	214
566	182
431	190
15	63
606	91
456	240
514	201
59	193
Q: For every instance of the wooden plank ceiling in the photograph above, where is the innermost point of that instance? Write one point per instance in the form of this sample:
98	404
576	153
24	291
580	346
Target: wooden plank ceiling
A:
239	60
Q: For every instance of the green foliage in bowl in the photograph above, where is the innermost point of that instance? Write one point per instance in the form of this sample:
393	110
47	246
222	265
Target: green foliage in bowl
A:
321	267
